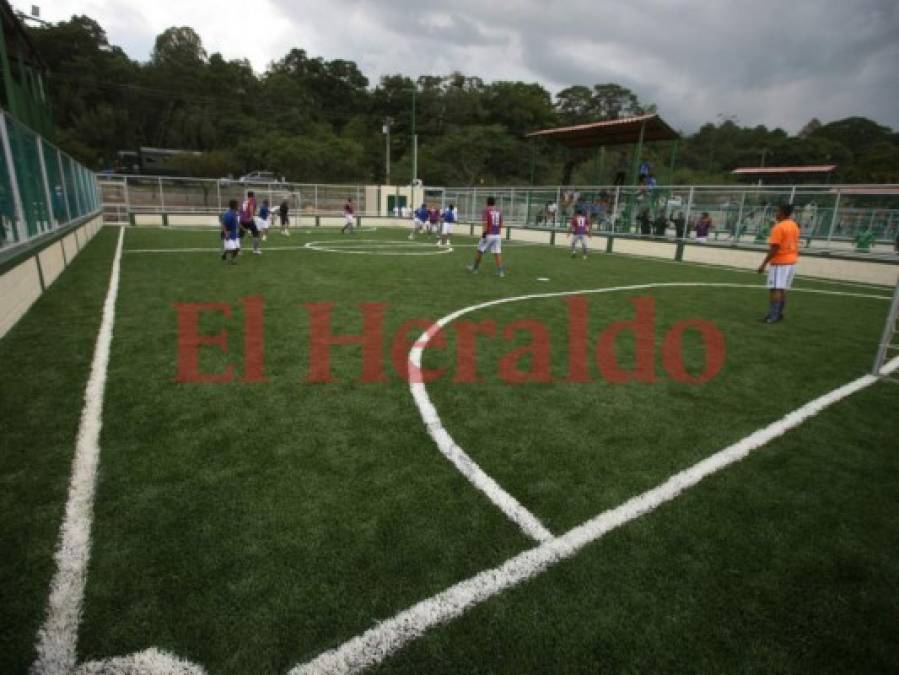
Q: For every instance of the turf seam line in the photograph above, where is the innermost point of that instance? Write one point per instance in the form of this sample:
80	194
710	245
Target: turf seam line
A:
375	645
57	638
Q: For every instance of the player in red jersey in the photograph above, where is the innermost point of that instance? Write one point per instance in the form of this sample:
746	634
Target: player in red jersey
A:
491	238
348	216
579	231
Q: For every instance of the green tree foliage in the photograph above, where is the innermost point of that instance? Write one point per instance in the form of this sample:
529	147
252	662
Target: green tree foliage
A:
313	119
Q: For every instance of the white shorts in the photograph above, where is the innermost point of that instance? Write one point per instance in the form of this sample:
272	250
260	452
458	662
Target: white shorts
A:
417	223
578	239
492	243
232	244
702	240
446	229
349	219
262	224
780	277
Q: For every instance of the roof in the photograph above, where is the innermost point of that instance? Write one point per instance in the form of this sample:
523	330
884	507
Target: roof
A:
621	131
762	170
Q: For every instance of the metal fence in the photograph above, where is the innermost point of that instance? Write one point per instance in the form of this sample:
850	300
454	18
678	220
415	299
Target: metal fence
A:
831	216
41	187
124	195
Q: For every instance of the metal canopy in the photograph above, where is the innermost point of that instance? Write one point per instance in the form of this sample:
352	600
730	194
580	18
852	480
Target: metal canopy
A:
624	131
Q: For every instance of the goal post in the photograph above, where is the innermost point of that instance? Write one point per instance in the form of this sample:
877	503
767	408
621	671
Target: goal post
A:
889	341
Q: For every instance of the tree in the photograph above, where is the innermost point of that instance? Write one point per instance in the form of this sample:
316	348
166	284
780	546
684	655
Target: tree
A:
180	47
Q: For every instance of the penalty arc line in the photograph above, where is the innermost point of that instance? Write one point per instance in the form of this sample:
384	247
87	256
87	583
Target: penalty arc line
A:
505	502
375	645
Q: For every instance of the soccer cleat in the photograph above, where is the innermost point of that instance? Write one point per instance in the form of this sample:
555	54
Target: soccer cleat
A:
224	255
257	252
500	273
573	254
472	269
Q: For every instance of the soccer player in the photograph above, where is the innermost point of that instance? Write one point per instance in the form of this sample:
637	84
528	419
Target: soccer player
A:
783	252
348	217
580	228
448	217
419	218
230	237
285	218
434	220
491	238
263	220
248	219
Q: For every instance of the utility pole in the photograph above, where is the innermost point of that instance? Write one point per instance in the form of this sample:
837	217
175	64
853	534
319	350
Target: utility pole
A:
387	122
414	138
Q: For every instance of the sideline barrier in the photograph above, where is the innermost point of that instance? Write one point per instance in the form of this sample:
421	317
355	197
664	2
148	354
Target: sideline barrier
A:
24	278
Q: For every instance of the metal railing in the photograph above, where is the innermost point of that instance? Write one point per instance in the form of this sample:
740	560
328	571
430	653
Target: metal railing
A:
42	189
842	217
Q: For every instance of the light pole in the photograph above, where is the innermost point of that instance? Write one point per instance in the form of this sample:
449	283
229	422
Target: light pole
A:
386	129
414	139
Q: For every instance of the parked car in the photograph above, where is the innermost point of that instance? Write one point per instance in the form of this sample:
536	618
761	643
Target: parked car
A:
255	177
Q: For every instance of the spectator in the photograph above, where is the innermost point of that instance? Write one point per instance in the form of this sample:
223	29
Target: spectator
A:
660	225
645	169
679	224
645	223
703	225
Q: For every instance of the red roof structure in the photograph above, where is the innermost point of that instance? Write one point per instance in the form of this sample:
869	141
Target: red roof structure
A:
621	131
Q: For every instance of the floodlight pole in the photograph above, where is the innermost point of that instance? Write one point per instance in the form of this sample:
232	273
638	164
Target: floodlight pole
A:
387	122
673	159
414	140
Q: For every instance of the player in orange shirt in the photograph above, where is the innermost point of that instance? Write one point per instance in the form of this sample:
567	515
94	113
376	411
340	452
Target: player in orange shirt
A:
783	253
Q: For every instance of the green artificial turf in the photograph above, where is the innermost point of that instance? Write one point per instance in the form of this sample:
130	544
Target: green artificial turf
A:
248	526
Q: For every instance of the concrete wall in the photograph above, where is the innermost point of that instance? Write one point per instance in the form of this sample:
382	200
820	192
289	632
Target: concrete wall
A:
23	284
52	262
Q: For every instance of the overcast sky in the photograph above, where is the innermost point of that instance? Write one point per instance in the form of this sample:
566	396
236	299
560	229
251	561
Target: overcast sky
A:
771	62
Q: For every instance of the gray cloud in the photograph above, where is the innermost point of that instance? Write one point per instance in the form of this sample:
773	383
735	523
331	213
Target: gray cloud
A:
767	62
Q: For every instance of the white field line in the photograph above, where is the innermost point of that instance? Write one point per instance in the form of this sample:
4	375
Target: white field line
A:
376	644
57	638
512	243
505	502
148	662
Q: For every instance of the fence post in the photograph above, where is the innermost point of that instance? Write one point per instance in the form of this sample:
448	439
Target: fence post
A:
558	212
315	203
834	217
512	205
161	194
51	217
687	214
21	229
218	192
65	190
615	208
